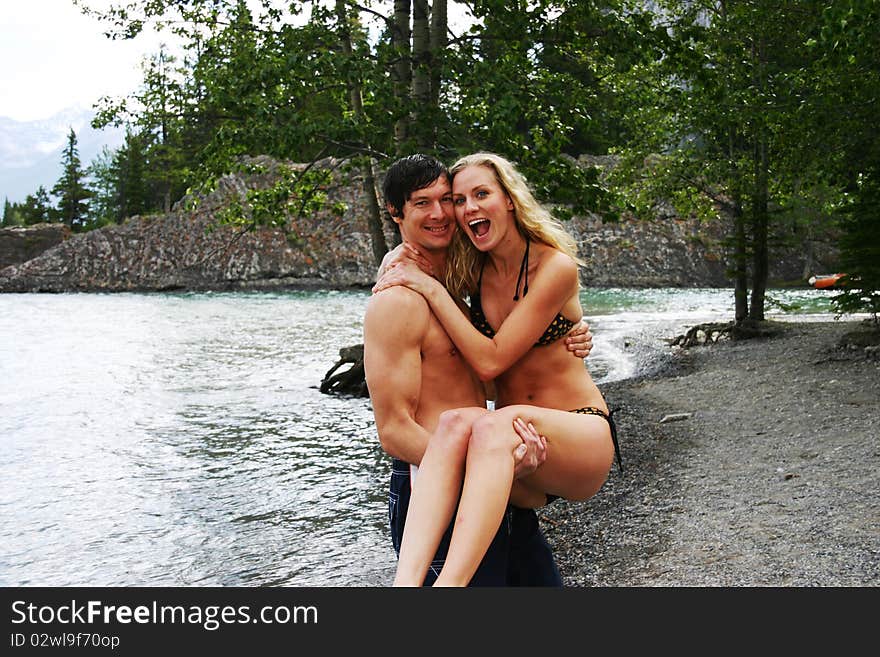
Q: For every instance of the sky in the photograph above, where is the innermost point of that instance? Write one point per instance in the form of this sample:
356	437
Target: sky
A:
52	58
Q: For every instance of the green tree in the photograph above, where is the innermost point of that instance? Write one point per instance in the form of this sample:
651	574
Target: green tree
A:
356	100
714	123
70	190
131	165
525	82
310	82
37	207
840	120
11	214
104	179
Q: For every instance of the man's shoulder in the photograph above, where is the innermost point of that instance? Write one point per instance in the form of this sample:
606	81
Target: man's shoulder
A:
398	299
397	310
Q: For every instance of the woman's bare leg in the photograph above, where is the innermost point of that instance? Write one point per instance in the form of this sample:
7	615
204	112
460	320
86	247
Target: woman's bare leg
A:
487	485
434	495
579	455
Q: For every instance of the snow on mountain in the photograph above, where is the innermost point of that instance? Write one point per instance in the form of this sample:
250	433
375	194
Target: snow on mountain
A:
30	151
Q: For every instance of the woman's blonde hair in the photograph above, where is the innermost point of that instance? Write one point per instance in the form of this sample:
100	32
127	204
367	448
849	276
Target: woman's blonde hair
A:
532	220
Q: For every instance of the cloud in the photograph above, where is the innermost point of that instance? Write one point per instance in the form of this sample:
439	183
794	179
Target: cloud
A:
55	57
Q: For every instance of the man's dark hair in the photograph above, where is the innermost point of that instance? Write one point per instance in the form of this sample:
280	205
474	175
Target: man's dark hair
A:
409	174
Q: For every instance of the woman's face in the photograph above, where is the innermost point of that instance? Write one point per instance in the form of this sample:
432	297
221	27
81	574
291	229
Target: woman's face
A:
483	209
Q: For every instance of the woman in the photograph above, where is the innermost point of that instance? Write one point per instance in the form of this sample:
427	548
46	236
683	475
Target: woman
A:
520	269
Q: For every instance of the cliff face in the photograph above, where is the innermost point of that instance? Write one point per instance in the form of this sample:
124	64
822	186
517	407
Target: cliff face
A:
185	250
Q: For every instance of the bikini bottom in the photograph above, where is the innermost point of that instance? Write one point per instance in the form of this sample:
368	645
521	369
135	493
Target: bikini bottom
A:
592	410
609	417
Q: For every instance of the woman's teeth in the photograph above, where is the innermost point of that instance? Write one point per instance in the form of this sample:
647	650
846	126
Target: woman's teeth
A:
479	227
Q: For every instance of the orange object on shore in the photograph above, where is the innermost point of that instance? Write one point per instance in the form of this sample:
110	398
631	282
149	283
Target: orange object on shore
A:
822	281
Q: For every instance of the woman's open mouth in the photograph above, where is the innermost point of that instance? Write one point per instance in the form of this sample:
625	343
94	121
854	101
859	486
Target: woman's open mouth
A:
479	227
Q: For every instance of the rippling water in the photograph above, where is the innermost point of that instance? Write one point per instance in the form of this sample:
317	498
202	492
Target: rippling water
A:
180	439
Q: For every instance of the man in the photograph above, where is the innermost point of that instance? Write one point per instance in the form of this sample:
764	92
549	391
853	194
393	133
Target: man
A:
414	373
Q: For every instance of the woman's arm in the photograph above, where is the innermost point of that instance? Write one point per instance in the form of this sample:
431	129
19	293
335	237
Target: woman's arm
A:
528	320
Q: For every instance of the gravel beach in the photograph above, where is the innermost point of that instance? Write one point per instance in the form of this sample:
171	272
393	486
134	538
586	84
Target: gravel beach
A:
765	472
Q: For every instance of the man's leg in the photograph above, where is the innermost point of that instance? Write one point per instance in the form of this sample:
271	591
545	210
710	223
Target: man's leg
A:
531	561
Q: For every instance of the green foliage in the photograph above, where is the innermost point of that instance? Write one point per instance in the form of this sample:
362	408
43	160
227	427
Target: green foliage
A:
758	114
860	246
35	209
717	125
525	85
292	193
843	111
104	179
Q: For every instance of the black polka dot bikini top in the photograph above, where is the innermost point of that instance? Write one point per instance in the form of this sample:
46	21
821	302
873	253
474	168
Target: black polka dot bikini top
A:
559	327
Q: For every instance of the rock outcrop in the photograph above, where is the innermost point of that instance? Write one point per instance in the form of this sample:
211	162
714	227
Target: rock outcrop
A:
188	250
21	243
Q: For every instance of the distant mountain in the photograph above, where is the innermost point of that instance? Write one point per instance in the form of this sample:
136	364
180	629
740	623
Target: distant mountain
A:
30	151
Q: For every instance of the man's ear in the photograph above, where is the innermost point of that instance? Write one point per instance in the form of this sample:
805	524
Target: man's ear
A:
396	215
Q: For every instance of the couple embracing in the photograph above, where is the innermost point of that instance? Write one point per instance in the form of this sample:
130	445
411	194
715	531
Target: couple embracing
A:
482	296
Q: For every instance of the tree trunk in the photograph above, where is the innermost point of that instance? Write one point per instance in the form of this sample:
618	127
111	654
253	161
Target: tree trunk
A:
740	247
740	273
759	193
421	81
374	218
760	227
355	94
439	41
402	73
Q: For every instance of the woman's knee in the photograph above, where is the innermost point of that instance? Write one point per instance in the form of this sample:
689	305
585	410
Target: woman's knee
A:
494	431
453	429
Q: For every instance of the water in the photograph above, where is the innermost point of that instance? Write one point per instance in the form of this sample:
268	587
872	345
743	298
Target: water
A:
180	439
632	326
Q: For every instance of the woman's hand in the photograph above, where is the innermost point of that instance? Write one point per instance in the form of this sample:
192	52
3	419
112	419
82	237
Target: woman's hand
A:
405	273
405	252
579	340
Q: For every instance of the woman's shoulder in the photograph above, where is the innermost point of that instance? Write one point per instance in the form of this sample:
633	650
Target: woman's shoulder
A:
556	263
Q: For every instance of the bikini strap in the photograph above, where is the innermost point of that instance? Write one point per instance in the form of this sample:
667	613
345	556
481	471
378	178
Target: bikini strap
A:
523	268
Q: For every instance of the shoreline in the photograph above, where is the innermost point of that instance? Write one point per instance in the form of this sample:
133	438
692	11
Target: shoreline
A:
770	476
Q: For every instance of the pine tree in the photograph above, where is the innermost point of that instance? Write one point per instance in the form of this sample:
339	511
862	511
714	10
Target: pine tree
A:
70	189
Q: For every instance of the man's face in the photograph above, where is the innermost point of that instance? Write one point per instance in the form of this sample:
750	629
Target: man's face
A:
427	220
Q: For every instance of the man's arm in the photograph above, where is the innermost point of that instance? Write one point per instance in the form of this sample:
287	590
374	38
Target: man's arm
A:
394	325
